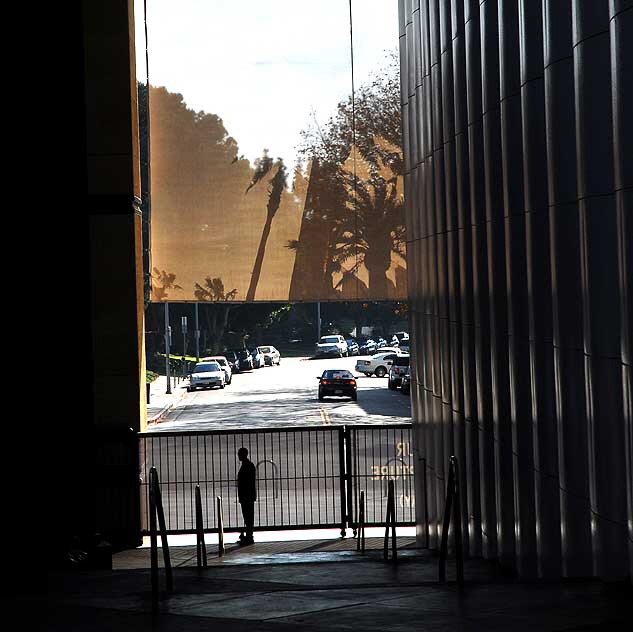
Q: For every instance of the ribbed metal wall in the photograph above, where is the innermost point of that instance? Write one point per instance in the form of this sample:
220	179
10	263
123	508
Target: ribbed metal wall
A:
518	140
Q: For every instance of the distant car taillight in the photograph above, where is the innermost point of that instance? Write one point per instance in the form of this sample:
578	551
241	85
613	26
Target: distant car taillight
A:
352	382
323	381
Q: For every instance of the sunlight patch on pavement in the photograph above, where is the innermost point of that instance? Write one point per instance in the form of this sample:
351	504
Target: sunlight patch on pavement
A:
282	536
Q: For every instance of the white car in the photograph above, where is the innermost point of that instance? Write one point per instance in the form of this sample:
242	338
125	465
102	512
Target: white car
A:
271	355
389	350
206	375
378	365
401	336
331	345
258	358
224	363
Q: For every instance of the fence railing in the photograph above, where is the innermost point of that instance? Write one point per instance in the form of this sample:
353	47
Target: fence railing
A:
306	477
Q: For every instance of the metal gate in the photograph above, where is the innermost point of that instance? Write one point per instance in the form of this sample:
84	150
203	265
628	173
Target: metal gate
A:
306	477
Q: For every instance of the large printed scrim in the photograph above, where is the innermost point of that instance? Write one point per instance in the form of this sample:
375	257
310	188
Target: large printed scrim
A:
320	217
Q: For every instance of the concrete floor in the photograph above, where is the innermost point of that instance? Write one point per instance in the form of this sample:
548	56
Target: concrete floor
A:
318	586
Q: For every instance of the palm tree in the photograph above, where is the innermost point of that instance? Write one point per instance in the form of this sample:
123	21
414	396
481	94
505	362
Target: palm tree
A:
276	186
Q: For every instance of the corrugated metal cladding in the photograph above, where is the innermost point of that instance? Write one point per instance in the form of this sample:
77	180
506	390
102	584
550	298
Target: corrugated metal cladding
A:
517	125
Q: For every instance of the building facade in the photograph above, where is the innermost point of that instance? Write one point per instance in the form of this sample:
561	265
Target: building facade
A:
519	174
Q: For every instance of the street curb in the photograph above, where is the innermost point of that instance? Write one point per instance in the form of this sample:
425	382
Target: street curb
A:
163	411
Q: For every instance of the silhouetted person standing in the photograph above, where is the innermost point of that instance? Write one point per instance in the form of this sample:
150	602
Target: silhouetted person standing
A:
246	494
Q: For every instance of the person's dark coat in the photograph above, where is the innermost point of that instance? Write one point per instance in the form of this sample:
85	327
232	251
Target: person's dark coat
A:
246	488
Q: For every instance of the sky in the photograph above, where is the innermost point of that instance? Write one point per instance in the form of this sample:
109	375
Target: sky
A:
268	69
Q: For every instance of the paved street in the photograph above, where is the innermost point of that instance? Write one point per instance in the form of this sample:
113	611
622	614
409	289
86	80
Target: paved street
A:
285	396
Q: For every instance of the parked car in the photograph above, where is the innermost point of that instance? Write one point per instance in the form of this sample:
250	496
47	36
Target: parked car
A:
366	346
331	345
381	342
352	347
337	382
385	349
206	375
378	365
257	357
399	367
404	347
401	336
271	355
225	364
243	359
233	360
406	384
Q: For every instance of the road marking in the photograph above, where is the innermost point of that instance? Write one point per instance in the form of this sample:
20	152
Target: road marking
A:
325	417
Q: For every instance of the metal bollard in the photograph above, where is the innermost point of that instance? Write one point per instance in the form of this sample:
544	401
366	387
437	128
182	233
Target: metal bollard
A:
220	527
360	544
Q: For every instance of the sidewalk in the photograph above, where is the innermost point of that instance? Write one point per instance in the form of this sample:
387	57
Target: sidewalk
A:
312	587
160	403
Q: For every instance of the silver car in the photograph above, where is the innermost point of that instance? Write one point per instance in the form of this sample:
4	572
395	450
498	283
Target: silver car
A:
225	364
206	375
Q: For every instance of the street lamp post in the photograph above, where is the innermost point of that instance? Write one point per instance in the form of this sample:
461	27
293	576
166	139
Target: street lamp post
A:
183	324
197	332
318	321
167	347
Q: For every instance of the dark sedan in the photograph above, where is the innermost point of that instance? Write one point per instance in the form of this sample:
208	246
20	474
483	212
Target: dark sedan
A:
337	382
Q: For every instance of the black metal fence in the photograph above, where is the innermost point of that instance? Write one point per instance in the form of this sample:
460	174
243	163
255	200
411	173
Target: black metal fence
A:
306	477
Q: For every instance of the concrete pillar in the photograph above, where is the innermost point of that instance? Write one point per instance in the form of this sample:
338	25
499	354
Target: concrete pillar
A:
481	307
116	270
621	35
470	465
543	519
600	280
566	290
497	295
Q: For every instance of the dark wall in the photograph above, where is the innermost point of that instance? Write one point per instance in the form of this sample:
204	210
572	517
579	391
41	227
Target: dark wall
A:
78	474
518	201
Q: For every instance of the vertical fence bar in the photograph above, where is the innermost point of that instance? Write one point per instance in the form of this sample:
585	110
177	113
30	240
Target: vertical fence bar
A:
153	541
348	479
342	473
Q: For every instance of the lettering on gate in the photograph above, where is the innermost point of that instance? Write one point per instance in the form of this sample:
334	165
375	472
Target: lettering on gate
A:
397	468
403	448
391	471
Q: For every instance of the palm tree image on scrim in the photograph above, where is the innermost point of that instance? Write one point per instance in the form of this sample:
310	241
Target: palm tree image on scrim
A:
373	228
276	185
